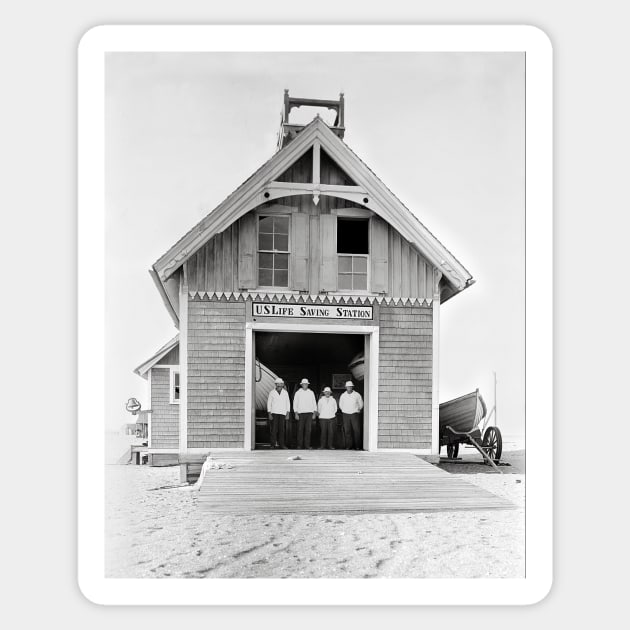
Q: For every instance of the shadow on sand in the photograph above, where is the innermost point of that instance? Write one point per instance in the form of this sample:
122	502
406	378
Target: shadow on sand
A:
472	464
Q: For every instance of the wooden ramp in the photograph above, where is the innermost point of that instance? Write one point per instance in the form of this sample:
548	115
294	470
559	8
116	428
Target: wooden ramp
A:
336	482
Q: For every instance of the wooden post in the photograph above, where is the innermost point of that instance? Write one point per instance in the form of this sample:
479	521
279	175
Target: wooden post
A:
149	414
341	112
286	106
372	358
249	415
316	162
435	394
183	368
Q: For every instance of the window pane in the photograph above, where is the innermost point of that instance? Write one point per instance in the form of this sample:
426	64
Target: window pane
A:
281	242
281	278
359	264
345	264
281	225
345	281
359	281
265	224
265	261
265	241
281	261
265	277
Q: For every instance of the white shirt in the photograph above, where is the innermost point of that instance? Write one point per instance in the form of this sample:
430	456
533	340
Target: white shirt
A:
278	402
304	401
327	407
350	403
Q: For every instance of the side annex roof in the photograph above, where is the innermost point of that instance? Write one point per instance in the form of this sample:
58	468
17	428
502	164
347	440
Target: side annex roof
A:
143	369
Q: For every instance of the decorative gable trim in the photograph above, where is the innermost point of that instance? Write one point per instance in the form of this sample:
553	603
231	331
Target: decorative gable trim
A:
288	298
370	192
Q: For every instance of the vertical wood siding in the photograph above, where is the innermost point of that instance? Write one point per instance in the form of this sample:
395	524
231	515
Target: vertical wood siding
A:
228	261
331	172
328	252
246	252
405	377
301	171
300	224
379	255
216	373
165	417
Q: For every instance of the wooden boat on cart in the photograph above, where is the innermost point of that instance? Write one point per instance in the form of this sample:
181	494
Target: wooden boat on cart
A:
265	382
464	420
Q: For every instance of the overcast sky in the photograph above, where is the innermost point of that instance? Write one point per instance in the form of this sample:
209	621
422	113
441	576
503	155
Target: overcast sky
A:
444	131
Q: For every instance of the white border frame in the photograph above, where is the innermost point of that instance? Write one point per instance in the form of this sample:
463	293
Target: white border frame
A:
91	309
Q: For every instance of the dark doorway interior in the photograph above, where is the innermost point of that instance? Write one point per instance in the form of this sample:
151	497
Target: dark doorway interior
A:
321	358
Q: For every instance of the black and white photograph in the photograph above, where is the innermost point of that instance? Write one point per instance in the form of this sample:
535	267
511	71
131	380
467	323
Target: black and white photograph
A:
314	328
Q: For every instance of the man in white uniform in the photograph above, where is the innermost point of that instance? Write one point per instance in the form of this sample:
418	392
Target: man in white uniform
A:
327	411
351	405
278	407
305	410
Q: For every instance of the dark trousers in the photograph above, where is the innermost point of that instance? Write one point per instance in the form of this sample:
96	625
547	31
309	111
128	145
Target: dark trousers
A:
305	423
352	430
290	437
328	432
277	429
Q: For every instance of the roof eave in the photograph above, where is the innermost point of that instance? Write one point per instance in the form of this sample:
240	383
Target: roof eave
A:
143	369
164	295
458	290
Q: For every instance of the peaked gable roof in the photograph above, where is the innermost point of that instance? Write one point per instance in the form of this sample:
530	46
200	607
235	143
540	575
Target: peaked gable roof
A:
381	200
143	369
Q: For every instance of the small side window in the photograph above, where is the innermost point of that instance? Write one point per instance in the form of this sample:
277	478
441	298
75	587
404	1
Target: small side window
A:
174	387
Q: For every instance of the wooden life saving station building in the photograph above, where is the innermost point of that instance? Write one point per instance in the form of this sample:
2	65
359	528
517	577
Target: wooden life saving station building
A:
311	268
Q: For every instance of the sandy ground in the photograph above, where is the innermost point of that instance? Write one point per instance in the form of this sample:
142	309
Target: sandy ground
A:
154	529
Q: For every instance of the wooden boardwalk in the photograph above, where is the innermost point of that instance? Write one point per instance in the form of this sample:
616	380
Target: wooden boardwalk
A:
336	482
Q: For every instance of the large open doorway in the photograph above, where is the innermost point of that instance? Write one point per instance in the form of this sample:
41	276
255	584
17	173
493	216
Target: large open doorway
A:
326	360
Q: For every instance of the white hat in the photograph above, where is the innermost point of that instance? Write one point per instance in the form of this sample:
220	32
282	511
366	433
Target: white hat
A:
349	384
304	381
327	389
279	381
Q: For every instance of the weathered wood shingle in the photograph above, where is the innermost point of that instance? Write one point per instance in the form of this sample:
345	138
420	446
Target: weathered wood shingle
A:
164	416
216	373
405	377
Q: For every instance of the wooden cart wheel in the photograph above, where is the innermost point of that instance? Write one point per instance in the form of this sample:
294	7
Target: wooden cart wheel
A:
452	450
493	443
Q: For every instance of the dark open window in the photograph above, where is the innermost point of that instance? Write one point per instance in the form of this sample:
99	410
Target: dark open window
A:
352	254
352	236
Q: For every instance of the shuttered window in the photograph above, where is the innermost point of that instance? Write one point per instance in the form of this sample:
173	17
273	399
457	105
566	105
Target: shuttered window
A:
273	251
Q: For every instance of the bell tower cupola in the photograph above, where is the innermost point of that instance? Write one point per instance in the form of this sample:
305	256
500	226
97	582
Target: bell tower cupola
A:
288	131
